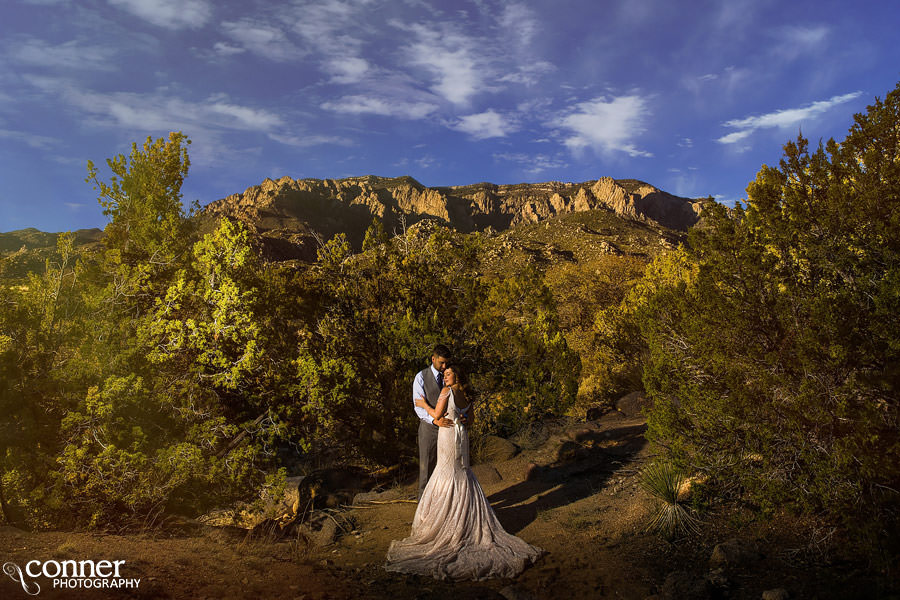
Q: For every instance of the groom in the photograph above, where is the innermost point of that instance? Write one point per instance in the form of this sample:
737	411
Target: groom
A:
428	385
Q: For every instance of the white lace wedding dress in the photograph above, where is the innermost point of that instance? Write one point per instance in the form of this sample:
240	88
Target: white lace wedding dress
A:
455	533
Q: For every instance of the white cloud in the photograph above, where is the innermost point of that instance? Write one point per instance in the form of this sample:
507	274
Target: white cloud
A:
425	162
332	29
520	19
485	125
606	125
532	163
240	117
171	14
74	54
347	69
781	118
734	137
39	142
263	39
324	24
795	41
729	80
457	72
305	141
359	104
529	73
205	121
223	49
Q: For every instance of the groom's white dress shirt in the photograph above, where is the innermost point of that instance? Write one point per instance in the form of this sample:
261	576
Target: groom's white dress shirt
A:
419	392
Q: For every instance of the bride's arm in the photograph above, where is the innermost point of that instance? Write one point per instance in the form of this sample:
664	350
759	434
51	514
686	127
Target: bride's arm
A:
438	411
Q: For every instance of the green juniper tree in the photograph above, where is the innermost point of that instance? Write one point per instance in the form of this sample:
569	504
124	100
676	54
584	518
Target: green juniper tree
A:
775	366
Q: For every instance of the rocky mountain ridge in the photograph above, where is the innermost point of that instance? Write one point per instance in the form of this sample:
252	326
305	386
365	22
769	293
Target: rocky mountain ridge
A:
290	218
297	211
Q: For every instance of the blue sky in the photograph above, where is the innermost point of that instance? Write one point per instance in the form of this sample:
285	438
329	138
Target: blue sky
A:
692	97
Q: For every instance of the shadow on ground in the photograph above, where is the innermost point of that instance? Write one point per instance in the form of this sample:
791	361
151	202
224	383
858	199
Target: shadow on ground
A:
582	468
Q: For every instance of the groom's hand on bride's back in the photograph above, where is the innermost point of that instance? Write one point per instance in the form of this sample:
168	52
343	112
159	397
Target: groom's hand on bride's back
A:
443	422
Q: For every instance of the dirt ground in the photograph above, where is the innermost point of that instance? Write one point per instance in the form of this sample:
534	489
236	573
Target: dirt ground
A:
573	490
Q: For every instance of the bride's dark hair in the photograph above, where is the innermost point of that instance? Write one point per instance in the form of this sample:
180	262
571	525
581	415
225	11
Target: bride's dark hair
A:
458	371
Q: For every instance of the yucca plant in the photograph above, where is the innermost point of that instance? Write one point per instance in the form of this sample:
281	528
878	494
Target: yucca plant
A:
664	482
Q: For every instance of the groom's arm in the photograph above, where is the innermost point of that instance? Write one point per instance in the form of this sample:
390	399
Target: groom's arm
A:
467	416
419	392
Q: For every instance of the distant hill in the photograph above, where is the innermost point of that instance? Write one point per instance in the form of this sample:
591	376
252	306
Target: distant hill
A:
30	238
24	250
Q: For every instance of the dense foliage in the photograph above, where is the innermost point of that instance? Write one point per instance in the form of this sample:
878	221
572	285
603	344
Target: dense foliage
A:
170	372
384	310
772	353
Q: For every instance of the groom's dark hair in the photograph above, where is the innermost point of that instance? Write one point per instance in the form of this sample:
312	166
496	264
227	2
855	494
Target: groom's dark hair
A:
442	351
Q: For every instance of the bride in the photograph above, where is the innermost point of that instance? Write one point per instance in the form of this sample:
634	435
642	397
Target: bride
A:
455	533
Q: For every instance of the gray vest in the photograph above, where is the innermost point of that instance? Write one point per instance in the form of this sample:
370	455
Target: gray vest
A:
432	391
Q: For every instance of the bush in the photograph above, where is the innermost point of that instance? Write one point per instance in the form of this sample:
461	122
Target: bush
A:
776	366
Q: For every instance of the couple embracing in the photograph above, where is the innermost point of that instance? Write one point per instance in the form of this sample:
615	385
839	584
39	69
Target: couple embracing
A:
455	533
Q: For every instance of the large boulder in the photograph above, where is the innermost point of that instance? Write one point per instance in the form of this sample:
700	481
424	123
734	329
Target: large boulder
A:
487	474
497	449
735	552
633	404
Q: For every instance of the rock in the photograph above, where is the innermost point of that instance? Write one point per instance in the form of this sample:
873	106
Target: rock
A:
776	594
645	202
579	432
487	474
532	471
734	552
332	487
680	585
364	497
247	516
497	449
324	536
516	593
292	493
717	579
595	412
218	518
686	489
609	248
383	495
633	404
